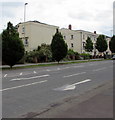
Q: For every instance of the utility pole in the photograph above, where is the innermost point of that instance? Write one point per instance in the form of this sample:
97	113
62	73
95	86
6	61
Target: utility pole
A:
24	19
114	18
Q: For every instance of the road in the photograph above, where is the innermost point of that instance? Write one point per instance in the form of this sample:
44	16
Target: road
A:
28	92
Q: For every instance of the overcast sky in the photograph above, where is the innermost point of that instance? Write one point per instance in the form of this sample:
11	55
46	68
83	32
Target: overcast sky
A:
89	15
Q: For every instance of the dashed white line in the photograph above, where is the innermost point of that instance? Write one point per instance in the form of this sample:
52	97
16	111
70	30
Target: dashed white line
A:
35	72
48	70
20	73
78	66
34	83
17	79
74	74
5	75
58	69
99	69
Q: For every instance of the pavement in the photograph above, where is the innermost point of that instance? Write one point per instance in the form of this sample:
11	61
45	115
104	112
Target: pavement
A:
93	104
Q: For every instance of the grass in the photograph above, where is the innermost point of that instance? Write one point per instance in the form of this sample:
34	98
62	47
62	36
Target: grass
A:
50	64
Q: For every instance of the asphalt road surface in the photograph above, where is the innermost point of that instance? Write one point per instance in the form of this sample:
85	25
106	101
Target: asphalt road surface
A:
28	92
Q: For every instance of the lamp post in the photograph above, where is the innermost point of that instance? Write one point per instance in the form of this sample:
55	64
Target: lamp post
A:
25	11
24	19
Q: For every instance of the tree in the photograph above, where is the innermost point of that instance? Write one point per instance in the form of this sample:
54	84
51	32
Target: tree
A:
89	45
58	47
12	46
112	44
101	43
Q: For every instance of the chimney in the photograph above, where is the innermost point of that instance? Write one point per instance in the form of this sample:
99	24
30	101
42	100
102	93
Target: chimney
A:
94	32
70	27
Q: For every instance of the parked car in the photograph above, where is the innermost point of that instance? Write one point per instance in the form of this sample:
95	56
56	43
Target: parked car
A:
113	57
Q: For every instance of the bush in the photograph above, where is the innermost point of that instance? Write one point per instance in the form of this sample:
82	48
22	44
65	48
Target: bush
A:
32	57
42	54
85	56
73	55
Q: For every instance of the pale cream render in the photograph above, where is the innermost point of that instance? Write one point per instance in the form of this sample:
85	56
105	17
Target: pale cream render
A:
36	34
84	36
73	39
79	39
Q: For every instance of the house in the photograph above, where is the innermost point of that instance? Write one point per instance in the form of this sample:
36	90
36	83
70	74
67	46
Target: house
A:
34	33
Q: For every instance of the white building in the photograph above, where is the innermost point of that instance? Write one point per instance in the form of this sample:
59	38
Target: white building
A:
36	33
73	39
84	35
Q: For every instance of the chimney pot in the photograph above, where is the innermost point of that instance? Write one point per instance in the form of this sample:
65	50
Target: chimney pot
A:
70	27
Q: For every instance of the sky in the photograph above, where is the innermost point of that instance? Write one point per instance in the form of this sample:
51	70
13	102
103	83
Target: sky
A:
88	15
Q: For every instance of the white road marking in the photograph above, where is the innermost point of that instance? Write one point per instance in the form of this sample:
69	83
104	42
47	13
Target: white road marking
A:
35	72
78	66
66	67
5	75
72	86
48	70
16	79
20	73
99	69
91	64
74	74
58	69
34	83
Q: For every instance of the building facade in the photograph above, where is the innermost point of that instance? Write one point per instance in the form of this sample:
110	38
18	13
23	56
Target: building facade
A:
34	33
73	39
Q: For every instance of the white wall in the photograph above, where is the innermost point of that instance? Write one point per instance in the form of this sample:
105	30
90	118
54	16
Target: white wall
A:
37	34
76	40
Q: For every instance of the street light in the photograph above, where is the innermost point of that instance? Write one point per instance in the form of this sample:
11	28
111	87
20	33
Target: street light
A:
25	11
24	18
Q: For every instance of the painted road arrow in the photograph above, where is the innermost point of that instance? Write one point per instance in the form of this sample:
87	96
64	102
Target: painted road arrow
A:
72	86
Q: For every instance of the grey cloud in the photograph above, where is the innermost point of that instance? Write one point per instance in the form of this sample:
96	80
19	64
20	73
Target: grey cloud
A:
11	4
104	16
9	8
81	15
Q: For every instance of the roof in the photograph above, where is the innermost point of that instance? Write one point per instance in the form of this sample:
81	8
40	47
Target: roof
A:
35	21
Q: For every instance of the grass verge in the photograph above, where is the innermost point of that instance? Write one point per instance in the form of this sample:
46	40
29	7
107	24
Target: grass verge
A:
50	64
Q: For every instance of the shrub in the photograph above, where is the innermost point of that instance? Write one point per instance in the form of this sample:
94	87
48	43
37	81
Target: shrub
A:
85	56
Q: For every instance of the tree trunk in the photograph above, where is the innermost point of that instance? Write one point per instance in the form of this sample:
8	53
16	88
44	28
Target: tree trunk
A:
10	66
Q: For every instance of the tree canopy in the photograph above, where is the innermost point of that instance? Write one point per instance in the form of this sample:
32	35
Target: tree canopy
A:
89	45
12	46
101	43
58	47
112	44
